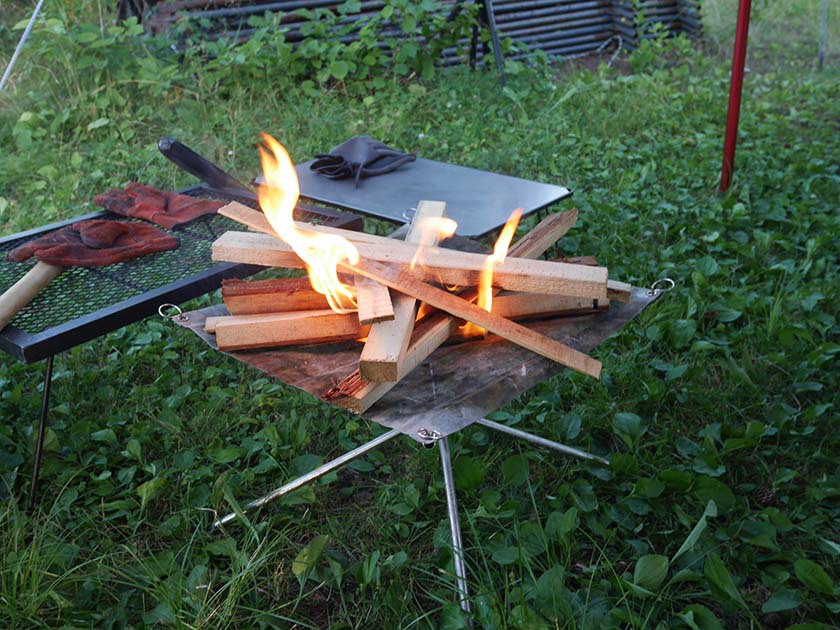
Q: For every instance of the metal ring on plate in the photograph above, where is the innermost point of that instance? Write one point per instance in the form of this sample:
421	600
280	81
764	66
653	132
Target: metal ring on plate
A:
409	214
663	285
429	436
165	311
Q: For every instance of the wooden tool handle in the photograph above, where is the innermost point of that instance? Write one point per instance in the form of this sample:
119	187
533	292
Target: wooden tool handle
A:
24	290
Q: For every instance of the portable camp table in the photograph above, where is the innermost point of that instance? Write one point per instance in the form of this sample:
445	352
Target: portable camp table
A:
454	388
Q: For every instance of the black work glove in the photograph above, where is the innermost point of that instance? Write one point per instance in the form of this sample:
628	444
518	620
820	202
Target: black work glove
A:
359	157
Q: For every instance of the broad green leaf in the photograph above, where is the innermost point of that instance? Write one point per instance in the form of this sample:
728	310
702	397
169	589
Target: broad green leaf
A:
134	450
829	546
679	480
453	618
469	473
651	571
698	617
682	331
629	427
623	464
96	124
308	557
708	464
160	614
368	571
506	555
105	435
720	580
561	524
148	490
783	599
710	489
813	576
584	495
303	464
515	470
339	69
697	531
707	266
532	538
228	454
649	488
523	616
336	569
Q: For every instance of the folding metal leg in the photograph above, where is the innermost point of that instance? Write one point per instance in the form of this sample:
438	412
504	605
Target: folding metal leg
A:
311	476
42	429
454	525
524	435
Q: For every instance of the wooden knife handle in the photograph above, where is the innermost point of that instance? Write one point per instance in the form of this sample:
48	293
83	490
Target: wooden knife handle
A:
24	290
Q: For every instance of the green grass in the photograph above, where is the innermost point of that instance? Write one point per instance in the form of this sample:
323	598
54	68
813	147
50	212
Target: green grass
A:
725	391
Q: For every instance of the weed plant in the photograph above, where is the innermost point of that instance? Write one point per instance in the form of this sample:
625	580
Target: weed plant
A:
718	406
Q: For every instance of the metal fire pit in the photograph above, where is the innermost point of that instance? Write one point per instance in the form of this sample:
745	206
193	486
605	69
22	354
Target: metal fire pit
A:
453	389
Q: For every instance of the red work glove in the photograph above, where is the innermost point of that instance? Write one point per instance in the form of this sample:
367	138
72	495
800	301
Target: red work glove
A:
166	209
95	243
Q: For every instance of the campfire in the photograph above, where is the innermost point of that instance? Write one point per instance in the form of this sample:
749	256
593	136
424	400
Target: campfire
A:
400	299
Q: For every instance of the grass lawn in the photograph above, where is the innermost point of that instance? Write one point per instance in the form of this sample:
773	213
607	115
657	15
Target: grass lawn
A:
718	406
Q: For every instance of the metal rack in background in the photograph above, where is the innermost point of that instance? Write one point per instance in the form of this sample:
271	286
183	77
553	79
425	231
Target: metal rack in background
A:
557	27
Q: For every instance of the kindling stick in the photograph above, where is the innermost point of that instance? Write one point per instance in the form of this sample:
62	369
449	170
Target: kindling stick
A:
444	266
387	342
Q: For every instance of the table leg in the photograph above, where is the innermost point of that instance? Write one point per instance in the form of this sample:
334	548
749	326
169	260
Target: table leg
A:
454	525
42	429
524	435
311	476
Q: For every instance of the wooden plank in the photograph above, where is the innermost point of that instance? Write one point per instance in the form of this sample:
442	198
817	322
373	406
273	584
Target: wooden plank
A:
529	305
405	282
374	301
619	291
387	342
244	332
258	222
433	332
382	354
449	267
249	297
541	240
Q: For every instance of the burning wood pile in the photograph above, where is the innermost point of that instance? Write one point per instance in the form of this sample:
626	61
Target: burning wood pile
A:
402	299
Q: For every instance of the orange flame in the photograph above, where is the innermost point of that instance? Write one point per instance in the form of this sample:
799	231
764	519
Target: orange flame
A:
485	282
432	230
321	253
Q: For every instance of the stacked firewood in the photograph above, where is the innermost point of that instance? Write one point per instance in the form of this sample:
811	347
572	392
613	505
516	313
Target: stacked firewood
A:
410	301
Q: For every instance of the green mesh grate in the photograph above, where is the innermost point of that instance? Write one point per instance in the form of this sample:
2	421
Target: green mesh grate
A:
81	291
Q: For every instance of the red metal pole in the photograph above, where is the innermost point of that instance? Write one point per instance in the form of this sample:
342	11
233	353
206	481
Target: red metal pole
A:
739	57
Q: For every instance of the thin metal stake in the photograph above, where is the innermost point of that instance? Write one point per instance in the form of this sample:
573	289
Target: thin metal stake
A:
22	41
311	476
454	524
42	429
823	33
490	12
568	450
